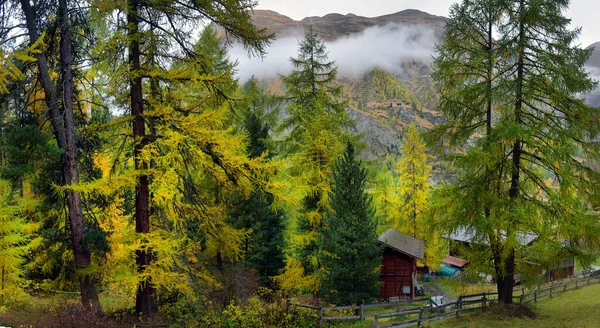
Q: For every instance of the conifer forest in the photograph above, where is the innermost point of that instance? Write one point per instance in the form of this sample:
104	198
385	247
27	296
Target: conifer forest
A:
144	182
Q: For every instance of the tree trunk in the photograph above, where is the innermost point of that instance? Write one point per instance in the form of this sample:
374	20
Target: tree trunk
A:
144	303
505	276
81	253
64	131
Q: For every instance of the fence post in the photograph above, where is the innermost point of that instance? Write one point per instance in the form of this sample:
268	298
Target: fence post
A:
576	284
521	298
362	312
320	317
398	306
565	289
483	301
550	291
376	321
419	324
458	305
535	296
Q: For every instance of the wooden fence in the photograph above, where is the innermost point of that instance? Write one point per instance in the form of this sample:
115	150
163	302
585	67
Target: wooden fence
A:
417	312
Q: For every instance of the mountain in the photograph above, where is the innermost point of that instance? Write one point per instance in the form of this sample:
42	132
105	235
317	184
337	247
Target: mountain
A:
333	26
593	65
381	101
594	59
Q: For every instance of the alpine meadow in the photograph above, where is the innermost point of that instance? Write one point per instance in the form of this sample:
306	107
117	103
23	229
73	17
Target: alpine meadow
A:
206	163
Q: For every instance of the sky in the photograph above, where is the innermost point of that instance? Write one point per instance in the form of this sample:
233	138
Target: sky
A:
584	13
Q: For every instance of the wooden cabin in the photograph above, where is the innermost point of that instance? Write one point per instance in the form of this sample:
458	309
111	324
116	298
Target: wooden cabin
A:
466	237
399	264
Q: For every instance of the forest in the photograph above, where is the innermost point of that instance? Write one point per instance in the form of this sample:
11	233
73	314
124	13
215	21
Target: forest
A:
134	163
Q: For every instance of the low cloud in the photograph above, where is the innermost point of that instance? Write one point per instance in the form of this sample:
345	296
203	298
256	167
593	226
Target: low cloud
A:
386	47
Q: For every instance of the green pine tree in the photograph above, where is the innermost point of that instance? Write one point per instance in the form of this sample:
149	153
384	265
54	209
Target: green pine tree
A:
348	251
263	246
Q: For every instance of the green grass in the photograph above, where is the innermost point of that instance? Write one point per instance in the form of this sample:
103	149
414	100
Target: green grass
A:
577	308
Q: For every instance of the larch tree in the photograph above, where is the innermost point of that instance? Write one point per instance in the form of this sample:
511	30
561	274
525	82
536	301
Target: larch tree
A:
60	100
13	244
414	173
349	254
315	137
158	34
508	86
411	213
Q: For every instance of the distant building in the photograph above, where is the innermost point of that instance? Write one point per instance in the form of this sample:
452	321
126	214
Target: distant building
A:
399	264
467	237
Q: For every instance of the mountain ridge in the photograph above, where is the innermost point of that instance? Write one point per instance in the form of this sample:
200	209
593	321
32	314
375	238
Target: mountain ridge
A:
335	25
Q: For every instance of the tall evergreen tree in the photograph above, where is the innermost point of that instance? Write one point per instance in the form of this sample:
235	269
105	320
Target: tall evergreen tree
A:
349	254
145	31
510	100
315	135
60	101
263	247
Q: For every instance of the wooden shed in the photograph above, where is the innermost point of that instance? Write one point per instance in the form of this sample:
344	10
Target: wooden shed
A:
399	264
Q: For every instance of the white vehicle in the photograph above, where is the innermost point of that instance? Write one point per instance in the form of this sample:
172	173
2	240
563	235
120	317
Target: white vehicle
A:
437	302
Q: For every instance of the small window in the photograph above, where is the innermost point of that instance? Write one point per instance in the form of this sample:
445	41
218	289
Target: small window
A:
405	289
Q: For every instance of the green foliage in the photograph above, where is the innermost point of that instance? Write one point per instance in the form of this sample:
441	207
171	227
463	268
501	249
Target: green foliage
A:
517	130
25	148
378	84
316	120
349	256
263	246
262	310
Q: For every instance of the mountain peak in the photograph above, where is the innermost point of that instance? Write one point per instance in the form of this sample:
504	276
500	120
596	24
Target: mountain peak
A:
335	25
594	59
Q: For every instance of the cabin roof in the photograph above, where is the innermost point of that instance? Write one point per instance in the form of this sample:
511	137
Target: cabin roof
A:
455	261
469	235
403	243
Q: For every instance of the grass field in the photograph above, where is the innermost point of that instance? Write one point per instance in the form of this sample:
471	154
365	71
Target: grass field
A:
577	308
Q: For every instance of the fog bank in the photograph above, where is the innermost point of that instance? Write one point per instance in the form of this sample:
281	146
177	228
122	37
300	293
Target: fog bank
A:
384	47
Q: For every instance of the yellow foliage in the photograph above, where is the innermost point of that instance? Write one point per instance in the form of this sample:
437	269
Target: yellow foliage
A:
293	279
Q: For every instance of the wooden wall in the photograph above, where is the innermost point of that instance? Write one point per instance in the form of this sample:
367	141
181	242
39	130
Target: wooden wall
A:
397	271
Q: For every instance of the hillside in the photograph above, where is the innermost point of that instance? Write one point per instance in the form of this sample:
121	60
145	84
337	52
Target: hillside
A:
382	101
381	86
333	26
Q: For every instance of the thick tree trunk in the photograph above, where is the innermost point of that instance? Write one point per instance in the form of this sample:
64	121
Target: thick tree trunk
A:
144	303
505	275
64	131
505	271
81	253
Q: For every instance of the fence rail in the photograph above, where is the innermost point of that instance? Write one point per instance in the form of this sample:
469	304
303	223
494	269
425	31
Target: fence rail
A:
427	313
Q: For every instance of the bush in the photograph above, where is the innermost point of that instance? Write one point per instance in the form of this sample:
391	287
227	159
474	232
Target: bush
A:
264	309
